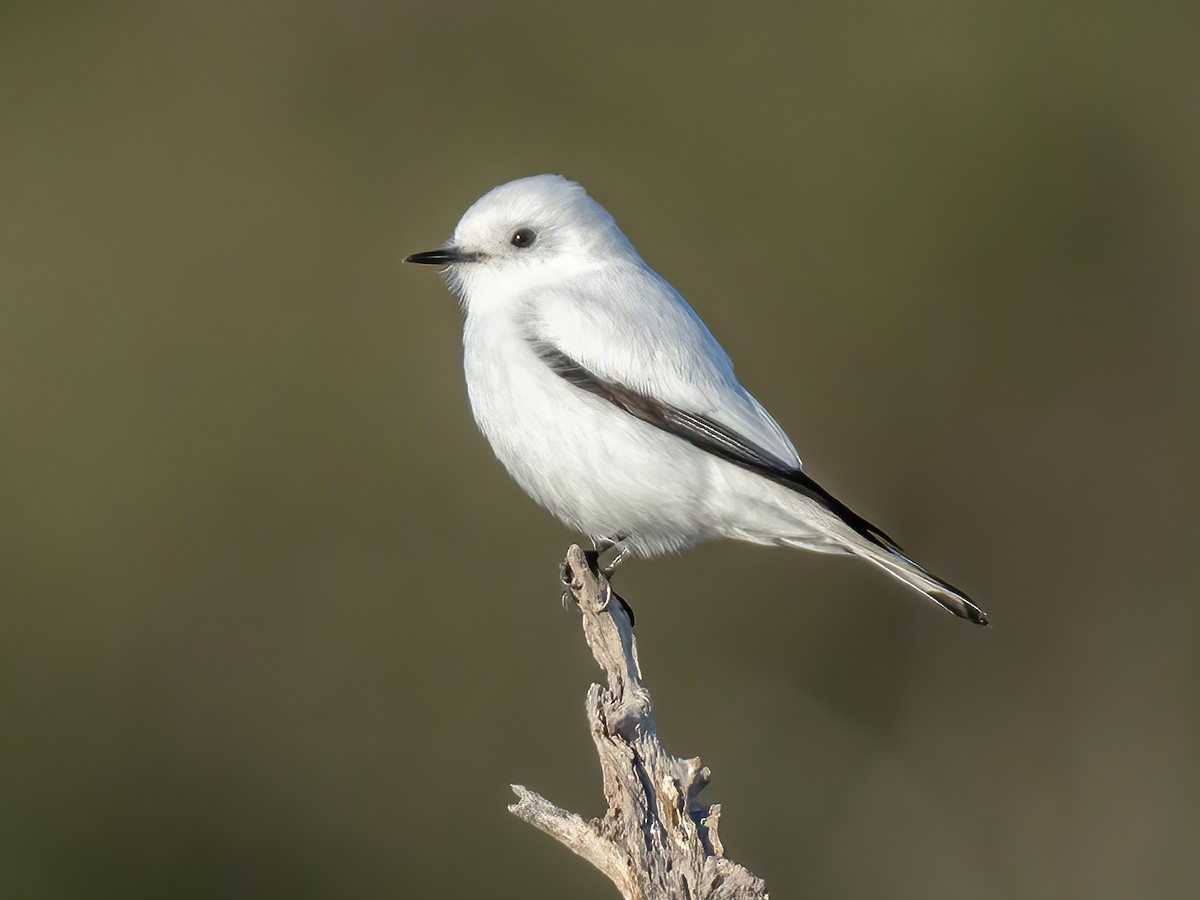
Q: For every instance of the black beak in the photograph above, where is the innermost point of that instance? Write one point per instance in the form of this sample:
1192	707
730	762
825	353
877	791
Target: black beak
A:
447	256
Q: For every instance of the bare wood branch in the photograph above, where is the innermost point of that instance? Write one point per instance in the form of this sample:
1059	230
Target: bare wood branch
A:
657	841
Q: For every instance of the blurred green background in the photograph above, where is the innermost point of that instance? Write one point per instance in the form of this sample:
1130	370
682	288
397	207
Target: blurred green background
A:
276	624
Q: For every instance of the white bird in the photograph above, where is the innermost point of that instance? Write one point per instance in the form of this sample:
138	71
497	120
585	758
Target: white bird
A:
612	405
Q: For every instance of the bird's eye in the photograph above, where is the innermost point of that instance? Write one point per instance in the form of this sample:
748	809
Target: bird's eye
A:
523	237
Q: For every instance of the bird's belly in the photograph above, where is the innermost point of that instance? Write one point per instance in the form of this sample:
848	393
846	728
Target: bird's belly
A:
594	466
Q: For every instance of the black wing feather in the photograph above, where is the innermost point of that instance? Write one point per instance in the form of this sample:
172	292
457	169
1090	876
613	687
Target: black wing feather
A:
708	435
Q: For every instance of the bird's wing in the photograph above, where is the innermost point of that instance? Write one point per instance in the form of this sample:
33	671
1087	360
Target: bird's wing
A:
636	344
628	326
707	434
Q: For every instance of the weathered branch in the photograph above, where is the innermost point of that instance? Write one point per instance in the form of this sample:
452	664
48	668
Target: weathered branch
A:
657	841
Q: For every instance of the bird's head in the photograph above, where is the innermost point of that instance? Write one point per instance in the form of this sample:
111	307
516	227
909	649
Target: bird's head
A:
526	233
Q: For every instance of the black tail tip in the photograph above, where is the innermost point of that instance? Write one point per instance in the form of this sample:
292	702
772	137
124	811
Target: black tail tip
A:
976	615
963	608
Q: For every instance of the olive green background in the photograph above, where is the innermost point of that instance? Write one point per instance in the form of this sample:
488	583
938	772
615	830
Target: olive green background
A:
276	624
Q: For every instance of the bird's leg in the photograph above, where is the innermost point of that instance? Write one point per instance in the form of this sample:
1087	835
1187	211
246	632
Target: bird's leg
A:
603	545
620	557
600	546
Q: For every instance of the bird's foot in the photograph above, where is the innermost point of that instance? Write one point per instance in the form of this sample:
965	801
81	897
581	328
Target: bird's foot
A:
604	545
568	578
593	563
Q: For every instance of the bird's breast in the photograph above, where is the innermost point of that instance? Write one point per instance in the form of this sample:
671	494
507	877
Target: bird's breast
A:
592	465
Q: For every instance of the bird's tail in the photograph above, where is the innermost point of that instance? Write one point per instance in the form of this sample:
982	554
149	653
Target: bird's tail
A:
944	594
850	532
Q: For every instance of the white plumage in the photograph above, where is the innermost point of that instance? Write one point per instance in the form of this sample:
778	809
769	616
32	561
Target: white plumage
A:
613	406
